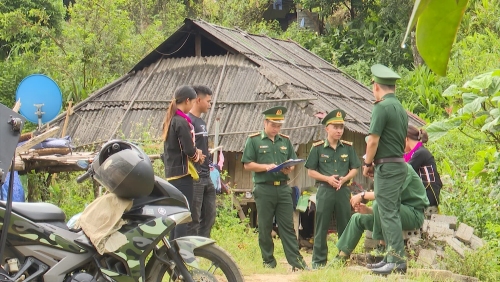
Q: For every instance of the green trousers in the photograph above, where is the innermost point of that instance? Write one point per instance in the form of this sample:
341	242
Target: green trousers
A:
410	219
276	201
388	180
329	201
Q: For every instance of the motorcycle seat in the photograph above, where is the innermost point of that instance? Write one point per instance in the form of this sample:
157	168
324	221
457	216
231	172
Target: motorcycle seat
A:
38	211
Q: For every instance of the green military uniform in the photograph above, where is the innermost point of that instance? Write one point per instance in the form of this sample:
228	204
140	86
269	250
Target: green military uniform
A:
328	161
413	202
272	194
389	121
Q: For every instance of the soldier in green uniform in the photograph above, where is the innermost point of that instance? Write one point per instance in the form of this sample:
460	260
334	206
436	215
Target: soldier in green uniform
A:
384	160
413	202
332	163
264	151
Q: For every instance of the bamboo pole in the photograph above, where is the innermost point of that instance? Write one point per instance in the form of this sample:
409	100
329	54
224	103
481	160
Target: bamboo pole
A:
69	112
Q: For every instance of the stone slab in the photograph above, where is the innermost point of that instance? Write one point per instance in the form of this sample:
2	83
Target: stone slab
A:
464	233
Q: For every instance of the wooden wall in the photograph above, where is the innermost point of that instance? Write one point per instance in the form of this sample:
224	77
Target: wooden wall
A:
243	178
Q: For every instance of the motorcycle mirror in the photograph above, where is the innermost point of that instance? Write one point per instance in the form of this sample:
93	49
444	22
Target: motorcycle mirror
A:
82	164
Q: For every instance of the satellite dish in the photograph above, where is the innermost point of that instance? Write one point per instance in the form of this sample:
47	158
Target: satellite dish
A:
41	98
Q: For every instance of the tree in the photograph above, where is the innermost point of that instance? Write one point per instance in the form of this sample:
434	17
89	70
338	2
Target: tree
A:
25	24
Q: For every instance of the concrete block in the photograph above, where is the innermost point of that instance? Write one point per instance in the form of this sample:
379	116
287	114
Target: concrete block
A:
425	226
456	245
476	242
438	230
413	243
368	234
464	233
429	211
371	244
427	257
451	220
407	234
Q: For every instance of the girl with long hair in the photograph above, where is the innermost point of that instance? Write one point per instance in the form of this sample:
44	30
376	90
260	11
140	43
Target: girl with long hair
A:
180	152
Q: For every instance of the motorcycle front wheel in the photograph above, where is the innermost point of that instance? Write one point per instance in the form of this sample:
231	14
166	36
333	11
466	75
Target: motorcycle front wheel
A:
216	265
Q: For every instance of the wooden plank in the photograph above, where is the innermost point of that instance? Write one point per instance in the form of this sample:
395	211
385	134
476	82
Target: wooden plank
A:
197	45
237	205
37	139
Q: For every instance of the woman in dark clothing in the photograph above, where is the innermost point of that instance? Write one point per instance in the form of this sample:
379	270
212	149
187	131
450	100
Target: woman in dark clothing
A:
423	162
179	148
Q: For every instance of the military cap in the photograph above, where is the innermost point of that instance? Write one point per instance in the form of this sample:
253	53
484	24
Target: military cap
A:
275	114
334	117
384	75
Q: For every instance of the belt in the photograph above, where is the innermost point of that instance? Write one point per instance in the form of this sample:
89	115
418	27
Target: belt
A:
275	183
389	160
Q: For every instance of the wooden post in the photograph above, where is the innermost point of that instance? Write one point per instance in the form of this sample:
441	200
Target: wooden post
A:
216	140
237	205
197	45
69	111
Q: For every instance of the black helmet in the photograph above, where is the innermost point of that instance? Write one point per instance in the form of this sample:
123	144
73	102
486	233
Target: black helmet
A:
124	169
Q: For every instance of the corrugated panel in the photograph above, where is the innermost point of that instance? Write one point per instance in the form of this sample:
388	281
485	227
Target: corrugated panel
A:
268	69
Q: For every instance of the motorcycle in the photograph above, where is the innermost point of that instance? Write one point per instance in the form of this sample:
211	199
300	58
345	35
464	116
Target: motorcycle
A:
40	246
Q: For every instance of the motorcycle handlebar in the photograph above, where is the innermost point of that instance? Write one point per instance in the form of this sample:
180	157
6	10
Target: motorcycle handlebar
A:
83	177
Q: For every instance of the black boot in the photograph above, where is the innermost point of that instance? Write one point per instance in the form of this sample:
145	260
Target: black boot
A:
376	265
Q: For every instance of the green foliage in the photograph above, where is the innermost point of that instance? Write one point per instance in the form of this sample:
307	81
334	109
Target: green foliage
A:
437	26
12	71
233	13
420	92
481	263
355	8
25	24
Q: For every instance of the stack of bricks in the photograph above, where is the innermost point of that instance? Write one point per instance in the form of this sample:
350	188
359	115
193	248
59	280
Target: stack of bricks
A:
442	228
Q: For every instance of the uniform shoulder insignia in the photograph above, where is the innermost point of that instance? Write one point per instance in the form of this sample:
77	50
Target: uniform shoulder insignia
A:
286	136
254	134
346	142
378	101
321	142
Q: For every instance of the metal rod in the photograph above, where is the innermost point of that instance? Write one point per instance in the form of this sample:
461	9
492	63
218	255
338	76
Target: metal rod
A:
217	90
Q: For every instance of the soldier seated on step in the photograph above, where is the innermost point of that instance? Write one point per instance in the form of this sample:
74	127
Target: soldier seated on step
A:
413	202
